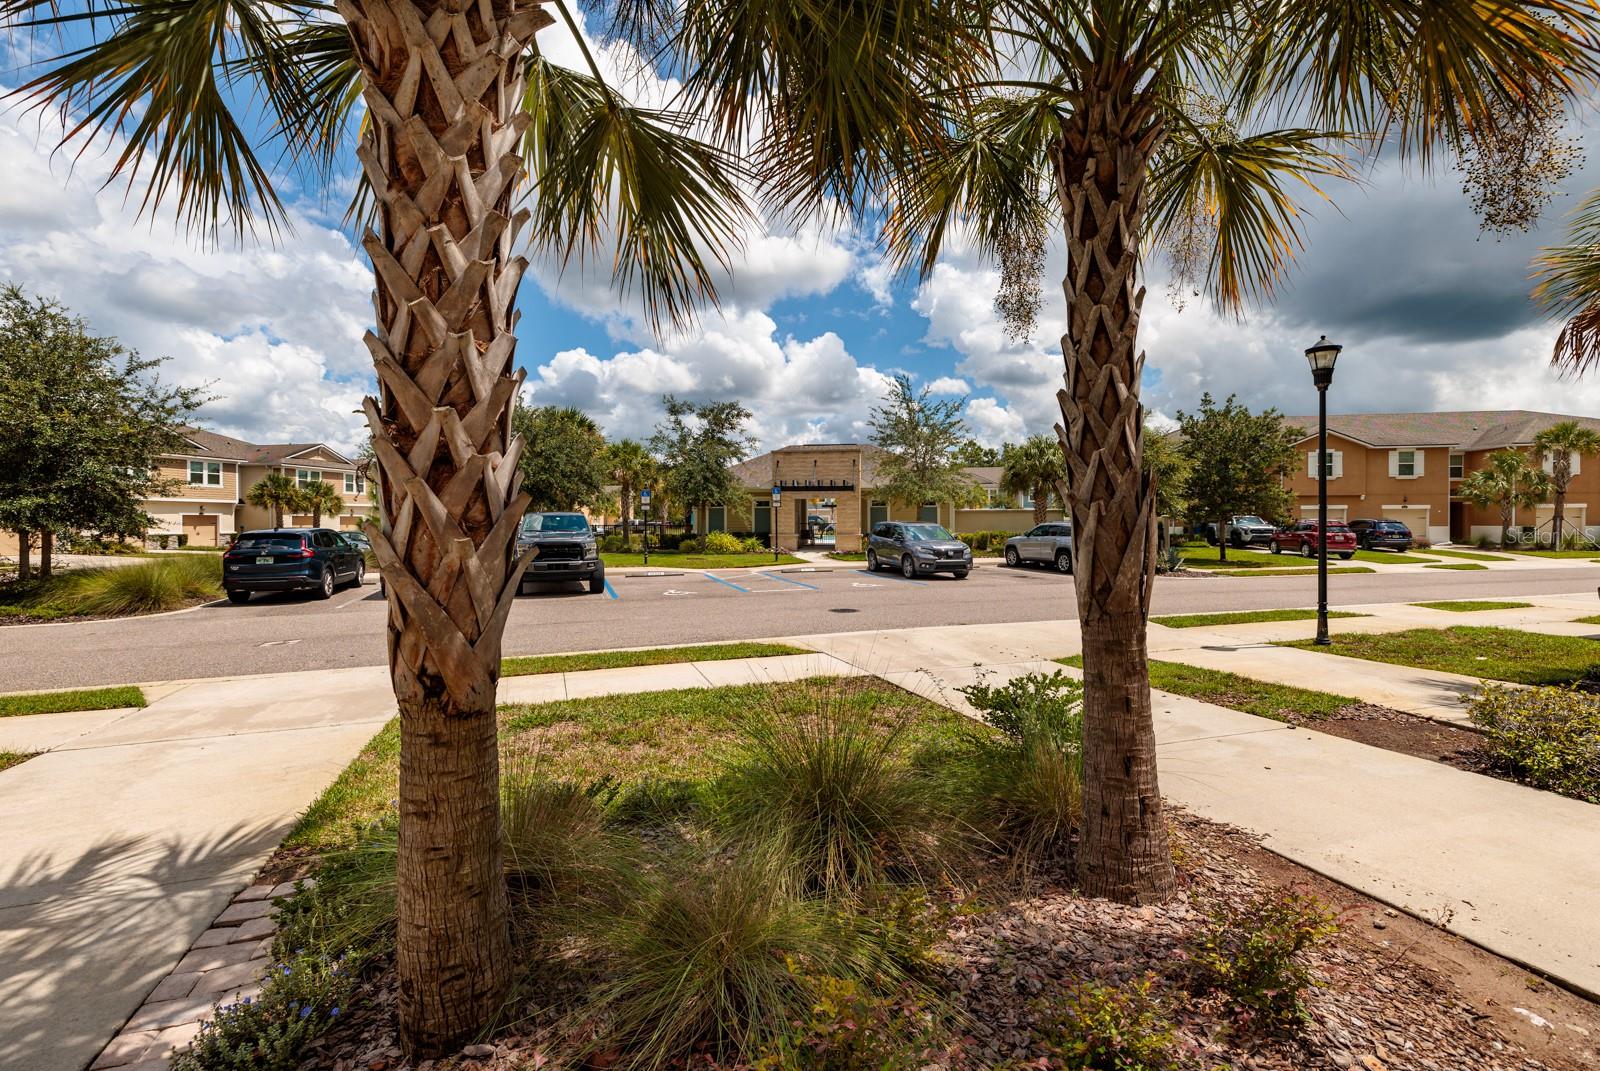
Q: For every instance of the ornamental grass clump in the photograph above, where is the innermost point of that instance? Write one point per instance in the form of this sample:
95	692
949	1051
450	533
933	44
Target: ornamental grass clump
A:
1545	737
150	586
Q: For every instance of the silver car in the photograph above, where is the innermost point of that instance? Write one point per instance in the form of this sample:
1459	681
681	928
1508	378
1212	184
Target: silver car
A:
1049	543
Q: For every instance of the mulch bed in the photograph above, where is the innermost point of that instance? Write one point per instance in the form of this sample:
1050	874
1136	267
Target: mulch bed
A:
1408	734
1393	993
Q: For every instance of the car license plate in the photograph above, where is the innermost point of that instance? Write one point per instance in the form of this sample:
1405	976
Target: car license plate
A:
264	561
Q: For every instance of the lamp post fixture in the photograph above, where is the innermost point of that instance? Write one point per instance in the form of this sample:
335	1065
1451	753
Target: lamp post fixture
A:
777	501
644	506
1322	357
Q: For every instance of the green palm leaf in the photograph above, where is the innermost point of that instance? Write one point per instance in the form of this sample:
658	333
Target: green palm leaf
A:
1569	286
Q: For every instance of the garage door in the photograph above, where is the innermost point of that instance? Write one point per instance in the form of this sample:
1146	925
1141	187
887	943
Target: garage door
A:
1574	518
1413	517
349	523
1336	514
201	530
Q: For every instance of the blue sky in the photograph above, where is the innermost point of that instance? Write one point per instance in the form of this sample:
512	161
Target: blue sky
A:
1433	315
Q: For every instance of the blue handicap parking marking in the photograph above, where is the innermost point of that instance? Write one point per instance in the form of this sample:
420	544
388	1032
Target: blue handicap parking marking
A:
611	591
729	583
786	580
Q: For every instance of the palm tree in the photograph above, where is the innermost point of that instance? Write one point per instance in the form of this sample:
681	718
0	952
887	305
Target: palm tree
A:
1130	125
1569	286
1509	482
278	493
319	497
630	466
461	104
1034	468
1561	443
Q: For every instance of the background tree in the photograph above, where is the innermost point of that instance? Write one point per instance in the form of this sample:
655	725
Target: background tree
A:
1237	463
628	465
1034	468
563	467
1562	442
973	453
921	437
82	423
1508	482
1167	466
698	446
278	493
319	497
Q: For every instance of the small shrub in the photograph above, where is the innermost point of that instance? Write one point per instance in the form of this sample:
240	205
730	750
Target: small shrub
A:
1039	698
613	543
690	545
1255	955
1546	737
722	543
1169	560
1483	542
1104	1028
162	541
851	1029
300	998
833	790
985	541
753	545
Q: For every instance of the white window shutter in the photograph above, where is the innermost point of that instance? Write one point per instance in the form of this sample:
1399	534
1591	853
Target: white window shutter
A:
1576	459
1417	469
1311	464
1338	463
1549	463
1394	464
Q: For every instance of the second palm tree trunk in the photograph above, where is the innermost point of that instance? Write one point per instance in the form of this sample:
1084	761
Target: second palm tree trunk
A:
443	87
1101	165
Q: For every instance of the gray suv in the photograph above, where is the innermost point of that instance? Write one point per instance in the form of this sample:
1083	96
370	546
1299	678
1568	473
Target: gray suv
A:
1049	543
917	547
568	550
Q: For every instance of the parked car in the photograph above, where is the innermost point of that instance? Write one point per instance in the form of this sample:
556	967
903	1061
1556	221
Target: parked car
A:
1244	530
291	559
358	538
1301	538
1381	535
568	550
1043	543
917	547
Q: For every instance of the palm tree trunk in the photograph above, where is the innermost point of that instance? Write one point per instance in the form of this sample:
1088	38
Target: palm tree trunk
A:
1560	504
1101	165
1041	504
627	514
443	86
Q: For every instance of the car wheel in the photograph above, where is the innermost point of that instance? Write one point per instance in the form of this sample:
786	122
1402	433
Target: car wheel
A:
237	597
1063	561
597	584
962	575
326	585
908	568
872	561
1237	540
1013	559
1305	551
361	574
1276	549
1347	555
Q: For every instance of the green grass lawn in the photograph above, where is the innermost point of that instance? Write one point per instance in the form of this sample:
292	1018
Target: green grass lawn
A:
9	759
1587	620
1455	565
1244	617
86	699
848	555
671	559
1280	702
1391	557
1205	556
654	656
1310	570
1502	654
1467	606
1587	554
148	585
1471	554
675	735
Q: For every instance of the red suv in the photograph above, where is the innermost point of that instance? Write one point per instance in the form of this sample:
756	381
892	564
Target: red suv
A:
1301	538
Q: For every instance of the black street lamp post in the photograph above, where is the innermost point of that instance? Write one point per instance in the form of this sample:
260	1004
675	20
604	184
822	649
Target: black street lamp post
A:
1322	357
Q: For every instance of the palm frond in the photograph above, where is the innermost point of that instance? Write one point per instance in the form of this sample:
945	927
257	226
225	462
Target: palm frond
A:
157	73
1569	286
603	168
1226	203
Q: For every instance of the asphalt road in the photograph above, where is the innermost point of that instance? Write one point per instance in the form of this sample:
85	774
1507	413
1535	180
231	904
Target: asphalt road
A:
283	633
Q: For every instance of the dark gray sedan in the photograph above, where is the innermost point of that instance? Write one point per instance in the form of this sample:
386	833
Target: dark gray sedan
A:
917	547
1043	544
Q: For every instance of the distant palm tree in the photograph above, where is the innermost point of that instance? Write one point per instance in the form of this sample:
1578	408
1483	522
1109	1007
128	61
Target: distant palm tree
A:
278	493
1508	483
319	497
631	467
1561	443
1033	468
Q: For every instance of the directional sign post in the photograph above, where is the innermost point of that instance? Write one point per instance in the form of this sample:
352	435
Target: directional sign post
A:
644	508
777	500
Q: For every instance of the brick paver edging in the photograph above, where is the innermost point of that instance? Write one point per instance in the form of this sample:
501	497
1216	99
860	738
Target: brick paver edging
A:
226	963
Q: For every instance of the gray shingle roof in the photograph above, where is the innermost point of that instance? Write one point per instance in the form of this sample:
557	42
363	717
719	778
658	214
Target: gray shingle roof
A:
230	449
1476	429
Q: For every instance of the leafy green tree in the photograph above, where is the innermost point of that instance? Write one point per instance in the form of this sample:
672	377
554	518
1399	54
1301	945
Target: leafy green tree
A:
921	437
563	467
82	422
1131	129
972	453
698	446
1034	468
319	497
1237	463
1167	467
1561	442
1508	482
629	465
278	493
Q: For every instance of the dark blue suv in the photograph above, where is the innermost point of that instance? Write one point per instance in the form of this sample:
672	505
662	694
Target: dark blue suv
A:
291	559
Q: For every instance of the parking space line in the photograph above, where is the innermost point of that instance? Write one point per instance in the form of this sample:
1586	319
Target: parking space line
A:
611	590
786	580
894	576
730	583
